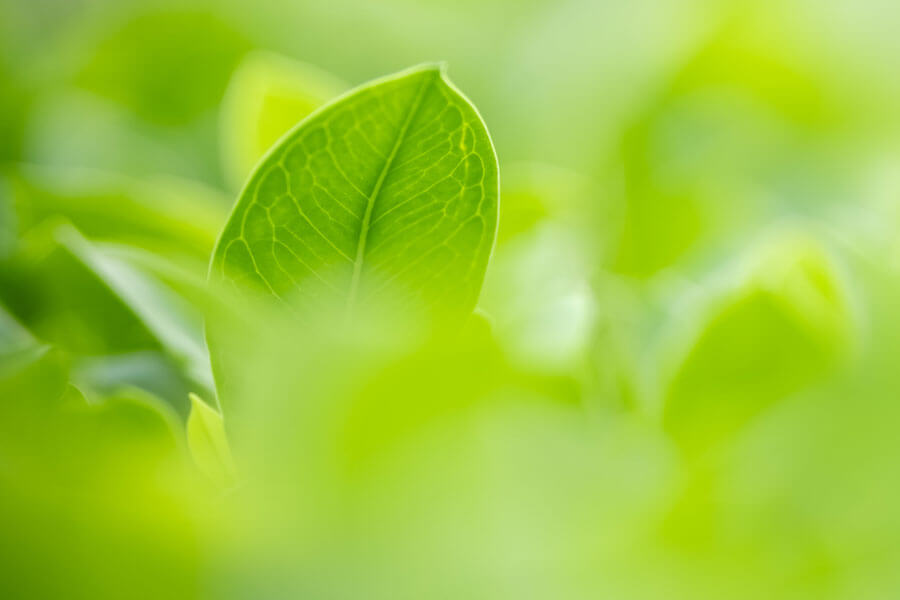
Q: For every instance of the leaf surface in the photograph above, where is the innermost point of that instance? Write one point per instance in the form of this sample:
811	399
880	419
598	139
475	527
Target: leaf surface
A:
389	191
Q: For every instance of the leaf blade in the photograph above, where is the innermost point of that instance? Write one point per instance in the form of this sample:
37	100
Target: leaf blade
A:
208	443
394	186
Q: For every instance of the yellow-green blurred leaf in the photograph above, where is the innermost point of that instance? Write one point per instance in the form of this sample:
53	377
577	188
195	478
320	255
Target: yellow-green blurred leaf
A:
785	328
208	443
168	66
162	214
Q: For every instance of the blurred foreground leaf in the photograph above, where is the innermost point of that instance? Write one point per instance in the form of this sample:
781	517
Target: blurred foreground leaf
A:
168	66
73	294
742	120
208	444
166	215
93	500
785	328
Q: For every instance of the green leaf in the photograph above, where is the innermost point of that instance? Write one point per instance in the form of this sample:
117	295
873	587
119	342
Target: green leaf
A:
168	66
54	291
32	374
148	372
208	444
167	215
13	336
267	96
785	328
8	221
388	193
15	103
31	379
88	301
170	319
78	128
536	193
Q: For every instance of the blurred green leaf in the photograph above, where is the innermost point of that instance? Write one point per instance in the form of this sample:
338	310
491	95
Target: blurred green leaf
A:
150	372
489	459
267	96
8	223
741	121
168	66
75	128
166	215
15	101
64	301
538	292
534	193
108	479
131	423
787	327
73	294
13	336
208	443
104	305
171	319
31	378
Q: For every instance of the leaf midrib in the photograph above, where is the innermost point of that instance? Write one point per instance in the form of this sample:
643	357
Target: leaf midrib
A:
376	190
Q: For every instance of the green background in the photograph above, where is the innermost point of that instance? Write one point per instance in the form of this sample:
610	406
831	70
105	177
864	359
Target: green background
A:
683	380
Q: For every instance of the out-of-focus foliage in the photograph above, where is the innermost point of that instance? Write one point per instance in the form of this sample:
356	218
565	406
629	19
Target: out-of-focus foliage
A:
208	443
167	66
165	215
680	380
268	95
784	328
